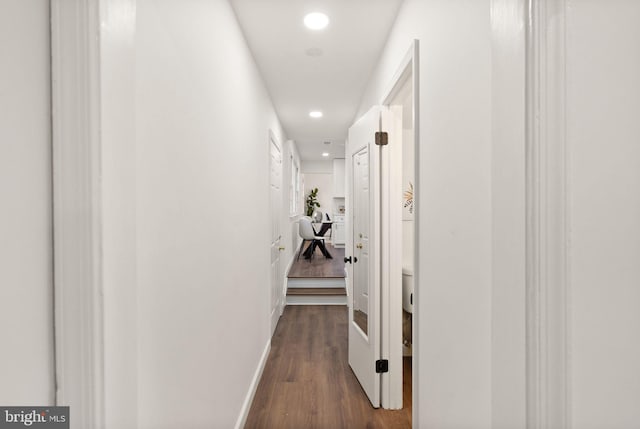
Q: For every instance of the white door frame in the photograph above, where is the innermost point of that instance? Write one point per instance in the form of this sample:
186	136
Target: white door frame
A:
547	217
391	297
78	286
533	297
276	312
93	139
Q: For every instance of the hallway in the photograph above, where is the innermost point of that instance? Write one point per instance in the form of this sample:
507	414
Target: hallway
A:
156	157
307	382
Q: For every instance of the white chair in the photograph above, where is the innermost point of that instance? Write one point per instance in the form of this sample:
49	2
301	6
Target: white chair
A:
307	233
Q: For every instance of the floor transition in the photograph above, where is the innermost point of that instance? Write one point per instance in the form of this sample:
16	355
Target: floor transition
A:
319	266
319	280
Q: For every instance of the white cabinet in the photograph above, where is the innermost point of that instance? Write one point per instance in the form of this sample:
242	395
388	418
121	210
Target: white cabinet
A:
338	235
338	178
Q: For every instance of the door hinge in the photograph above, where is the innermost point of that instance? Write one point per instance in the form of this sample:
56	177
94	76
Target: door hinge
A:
382	138
382	365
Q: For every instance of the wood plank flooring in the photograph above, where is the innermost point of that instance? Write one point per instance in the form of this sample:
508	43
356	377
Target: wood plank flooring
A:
319	266
361	319
307	382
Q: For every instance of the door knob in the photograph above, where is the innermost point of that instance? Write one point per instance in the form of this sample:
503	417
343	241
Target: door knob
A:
359	246
347	259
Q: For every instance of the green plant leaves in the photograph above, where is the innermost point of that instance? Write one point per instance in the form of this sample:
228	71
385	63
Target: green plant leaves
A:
312	201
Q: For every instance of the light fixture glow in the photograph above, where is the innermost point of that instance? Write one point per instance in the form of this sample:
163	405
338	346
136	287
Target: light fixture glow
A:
325	154
316	20
315	114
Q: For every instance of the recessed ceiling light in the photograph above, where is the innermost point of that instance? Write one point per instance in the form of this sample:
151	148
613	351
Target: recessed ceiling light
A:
316	20
315	114
325	154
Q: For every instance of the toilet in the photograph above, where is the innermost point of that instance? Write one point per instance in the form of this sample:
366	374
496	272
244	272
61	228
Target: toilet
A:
407	289
407	307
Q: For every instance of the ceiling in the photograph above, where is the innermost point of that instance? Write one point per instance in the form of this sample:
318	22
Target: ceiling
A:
324	70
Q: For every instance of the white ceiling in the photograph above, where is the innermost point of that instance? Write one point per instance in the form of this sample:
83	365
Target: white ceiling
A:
332	82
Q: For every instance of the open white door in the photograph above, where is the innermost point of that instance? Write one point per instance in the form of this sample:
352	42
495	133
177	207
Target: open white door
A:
363	252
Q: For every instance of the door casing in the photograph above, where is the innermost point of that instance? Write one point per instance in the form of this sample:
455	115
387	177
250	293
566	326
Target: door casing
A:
275	247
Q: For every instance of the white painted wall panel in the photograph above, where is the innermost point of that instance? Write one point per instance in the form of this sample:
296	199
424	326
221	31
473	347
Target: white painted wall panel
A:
454	198
26	286
118	170
203	116
508	297
603	132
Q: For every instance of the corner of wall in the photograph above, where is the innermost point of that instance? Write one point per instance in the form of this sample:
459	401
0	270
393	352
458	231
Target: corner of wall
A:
253	387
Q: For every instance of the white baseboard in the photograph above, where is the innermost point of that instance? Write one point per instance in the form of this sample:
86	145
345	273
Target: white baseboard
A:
246	406
290	264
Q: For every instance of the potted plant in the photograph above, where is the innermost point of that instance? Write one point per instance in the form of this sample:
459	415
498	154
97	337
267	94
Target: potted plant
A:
312	201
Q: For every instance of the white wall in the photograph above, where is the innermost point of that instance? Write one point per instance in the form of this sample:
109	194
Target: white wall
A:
118	173
203	117
508	305
603	137
454	197
26	287
317	167
319	174
324	183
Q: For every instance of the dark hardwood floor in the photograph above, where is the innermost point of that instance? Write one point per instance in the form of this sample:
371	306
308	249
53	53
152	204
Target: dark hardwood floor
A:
307	382
360	317
319	266
325	291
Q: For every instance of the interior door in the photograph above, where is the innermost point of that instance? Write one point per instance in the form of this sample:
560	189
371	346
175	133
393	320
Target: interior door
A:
275	196
363	249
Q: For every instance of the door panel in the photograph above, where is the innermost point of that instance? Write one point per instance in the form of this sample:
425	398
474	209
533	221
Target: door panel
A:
363	245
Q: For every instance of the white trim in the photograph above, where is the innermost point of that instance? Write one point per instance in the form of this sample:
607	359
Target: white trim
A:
391	382
403	72
292	259
253	387
75	50
547	222
415	368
